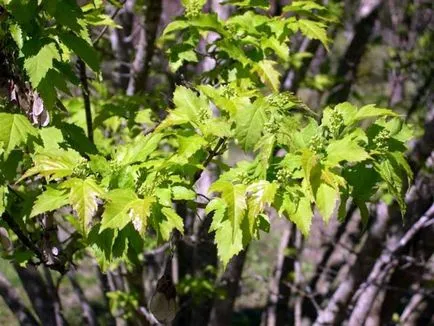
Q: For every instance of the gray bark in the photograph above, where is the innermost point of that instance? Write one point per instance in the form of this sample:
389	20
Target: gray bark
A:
276	312
382	269
334	312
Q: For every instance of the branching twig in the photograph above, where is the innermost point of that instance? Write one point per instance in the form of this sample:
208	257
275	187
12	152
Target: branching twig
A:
387	261
113	16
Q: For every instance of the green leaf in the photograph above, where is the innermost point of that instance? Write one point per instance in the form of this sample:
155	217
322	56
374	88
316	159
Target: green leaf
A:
173	221
302	6
138	150
371	111
395	177
227	247
54	163
298	208
364	212
188	107
116	209
309	161
39	59
218	206
250	123
235	199
101	244
187	147
313	30
82	48
51	137
3	204
23	11
326	198
164	196
362	187
66	12
50	200
261	194
83	198
17	34
183	193
268	74
15	130
345	149
279	48
139	212
264	4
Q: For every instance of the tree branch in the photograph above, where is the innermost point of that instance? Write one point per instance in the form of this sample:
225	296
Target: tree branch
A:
387	261
86	98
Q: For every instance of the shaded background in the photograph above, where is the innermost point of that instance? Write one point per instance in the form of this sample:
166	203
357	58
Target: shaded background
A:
382	52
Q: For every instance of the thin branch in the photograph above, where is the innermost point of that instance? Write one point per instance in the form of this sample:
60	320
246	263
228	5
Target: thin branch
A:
113	16
22	237
86	97
382	268
89	317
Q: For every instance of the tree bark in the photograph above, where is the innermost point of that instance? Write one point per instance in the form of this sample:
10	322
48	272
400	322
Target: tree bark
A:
222	312
382	269
276	312
89	317
13	301
334	312
40	298
347	70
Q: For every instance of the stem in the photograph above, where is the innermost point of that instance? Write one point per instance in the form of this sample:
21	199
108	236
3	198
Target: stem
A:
86	98
23	238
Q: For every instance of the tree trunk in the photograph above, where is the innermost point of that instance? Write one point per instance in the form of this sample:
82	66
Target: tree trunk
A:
276	312
40	298
222	312
347	70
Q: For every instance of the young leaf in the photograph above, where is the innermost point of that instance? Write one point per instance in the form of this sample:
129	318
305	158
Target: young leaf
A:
298	208
326	198
345	149
249	124
115	214
39	59
228	246
260	194
218	206
235	199
173	221
54	163
187	108
15	130
313	30
50	200
83	198
138	150
139	212
268	74
371	111
82	48
183	193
